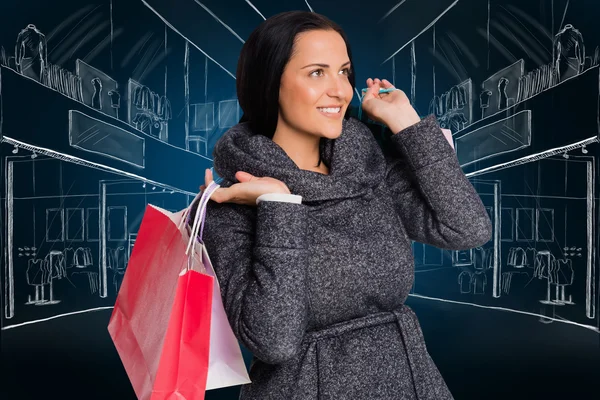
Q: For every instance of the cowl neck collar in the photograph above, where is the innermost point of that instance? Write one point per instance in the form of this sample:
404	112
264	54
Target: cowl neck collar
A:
356	163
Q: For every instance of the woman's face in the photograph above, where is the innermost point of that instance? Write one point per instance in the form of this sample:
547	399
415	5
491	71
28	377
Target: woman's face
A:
315	91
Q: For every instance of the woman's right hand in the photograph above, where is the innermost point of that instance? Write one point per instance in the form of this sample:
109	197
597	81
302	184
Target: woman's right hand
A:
247	190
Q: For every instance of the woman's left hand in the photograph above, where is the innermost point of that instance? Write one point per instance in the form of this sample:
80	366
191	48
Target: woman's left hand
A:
392	109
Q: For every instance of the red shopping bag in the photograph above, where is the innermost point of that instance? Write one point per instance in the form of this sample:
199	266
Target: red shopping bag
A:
161	320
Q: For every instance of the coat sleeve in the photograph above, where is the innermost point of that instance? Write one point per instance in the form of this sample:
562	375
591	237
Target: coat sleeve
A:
434	199
260	259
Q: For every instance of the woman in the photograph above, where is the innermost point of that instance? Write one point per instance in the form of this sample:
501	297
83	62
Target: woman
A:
310	232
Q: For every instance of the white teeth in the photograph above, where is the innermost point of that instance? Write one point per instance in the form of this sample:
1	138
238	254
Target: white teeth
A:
329	110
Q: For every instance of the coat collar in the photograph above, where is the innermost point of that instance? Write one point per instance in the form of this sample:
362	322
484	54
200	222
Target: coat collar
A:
356	163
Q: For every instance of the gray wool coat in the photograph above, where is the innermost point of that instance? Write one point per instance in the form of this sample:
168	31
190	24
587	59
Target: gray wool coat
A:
316	290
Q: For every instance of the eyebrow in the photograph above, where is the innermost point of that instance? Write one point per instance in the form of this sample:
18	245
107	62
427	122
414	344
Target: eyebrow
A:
323	65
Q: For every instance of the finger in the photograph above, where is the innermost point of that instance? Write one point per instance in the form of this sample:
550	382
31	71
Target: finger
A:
364	92
221	195
375	88
244	176
207	176
372	91
387	84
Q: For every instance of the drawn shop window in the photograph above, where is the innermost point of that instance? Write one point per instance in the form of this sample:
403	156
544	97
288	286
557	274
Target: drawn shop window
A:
55	221
507	224
92	226
229	113
525	224
75	224
117	223
204	117
544	230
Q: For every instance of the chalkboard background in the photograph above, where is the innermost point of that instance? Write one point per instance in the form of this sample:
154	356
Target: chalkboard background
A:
110	105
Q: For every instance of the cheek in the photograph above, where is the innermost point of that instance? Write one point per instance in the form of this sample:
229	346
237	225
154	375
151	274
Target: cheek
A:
310	95
299	96
349	92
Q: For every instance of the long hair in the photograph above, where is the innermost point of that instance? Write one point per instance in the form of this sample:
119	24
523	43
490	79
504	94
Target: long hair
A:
263	59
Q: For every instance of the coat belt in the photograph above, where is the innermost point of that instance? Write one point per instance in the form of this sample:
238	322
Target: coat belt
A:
411	339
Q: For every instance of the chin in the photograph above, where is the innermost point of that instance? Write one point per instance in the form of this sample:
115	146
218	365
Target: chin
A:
332	133
320	128
329	129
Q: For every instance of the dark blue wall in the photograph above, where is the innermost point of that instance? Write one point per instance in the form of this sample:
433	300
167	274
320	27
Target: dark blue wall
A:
495	326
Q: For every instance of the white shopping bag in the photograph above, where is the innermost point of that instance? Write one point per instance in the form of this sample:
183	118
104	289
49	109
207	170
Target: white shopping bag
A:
225	362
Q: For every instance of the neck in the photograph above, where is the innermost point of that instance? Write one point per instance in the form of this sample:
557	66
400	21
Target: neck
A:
301	147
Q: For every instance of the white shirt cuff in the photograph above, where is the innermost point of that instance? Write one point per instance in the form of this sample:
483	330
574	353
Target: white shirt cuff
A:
288	198
448	135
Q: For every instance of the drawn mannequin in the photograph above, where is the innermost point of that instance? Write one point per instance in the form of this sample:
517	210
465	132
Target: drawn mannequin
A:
569	51
484	101
97	96
31	53
115	101
502	96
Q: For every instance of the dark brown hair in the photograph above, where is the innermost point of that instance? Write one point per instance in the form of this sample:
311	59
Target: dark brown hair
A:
263	59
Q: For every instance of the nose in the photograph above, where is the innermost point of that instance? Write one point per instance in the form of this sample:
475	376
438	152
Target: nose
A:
336	87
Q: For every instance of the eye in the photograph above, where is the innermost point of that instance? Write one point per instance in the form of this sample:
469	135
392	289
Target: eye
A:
317	72
346	71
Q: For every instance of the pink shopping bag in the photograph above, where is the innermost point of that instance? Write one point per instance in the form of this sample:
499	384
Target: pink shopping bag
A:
168	324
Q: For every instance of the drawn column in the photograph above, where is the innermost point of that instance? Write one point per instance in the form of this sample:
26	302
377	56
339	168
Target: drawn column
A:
497	239
102	279
496	218
590	306
9	284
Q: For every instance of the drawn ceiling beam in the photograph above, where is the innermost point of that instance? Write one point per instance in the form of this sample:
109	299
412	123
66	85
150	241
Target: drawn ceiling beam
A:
202	28
268	8
216	29
410	20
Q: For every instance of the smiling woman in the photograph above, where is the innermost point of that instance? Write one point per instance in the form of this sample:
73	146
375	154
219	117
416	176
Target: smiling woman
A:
314	94
314	278
294	72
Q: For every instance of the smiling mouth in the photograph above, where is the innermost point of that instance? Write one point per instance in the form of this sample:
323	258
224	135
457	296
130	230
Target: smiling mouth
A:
332	111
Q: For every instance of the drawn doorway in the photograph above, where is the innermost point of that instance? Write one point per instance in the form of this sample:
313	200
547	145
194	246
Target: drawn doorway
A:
486	258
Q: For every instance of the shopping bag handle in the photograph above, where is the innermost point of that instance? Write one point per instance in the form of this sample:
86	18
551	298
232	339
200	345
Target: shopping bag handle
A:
200	213
185	218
